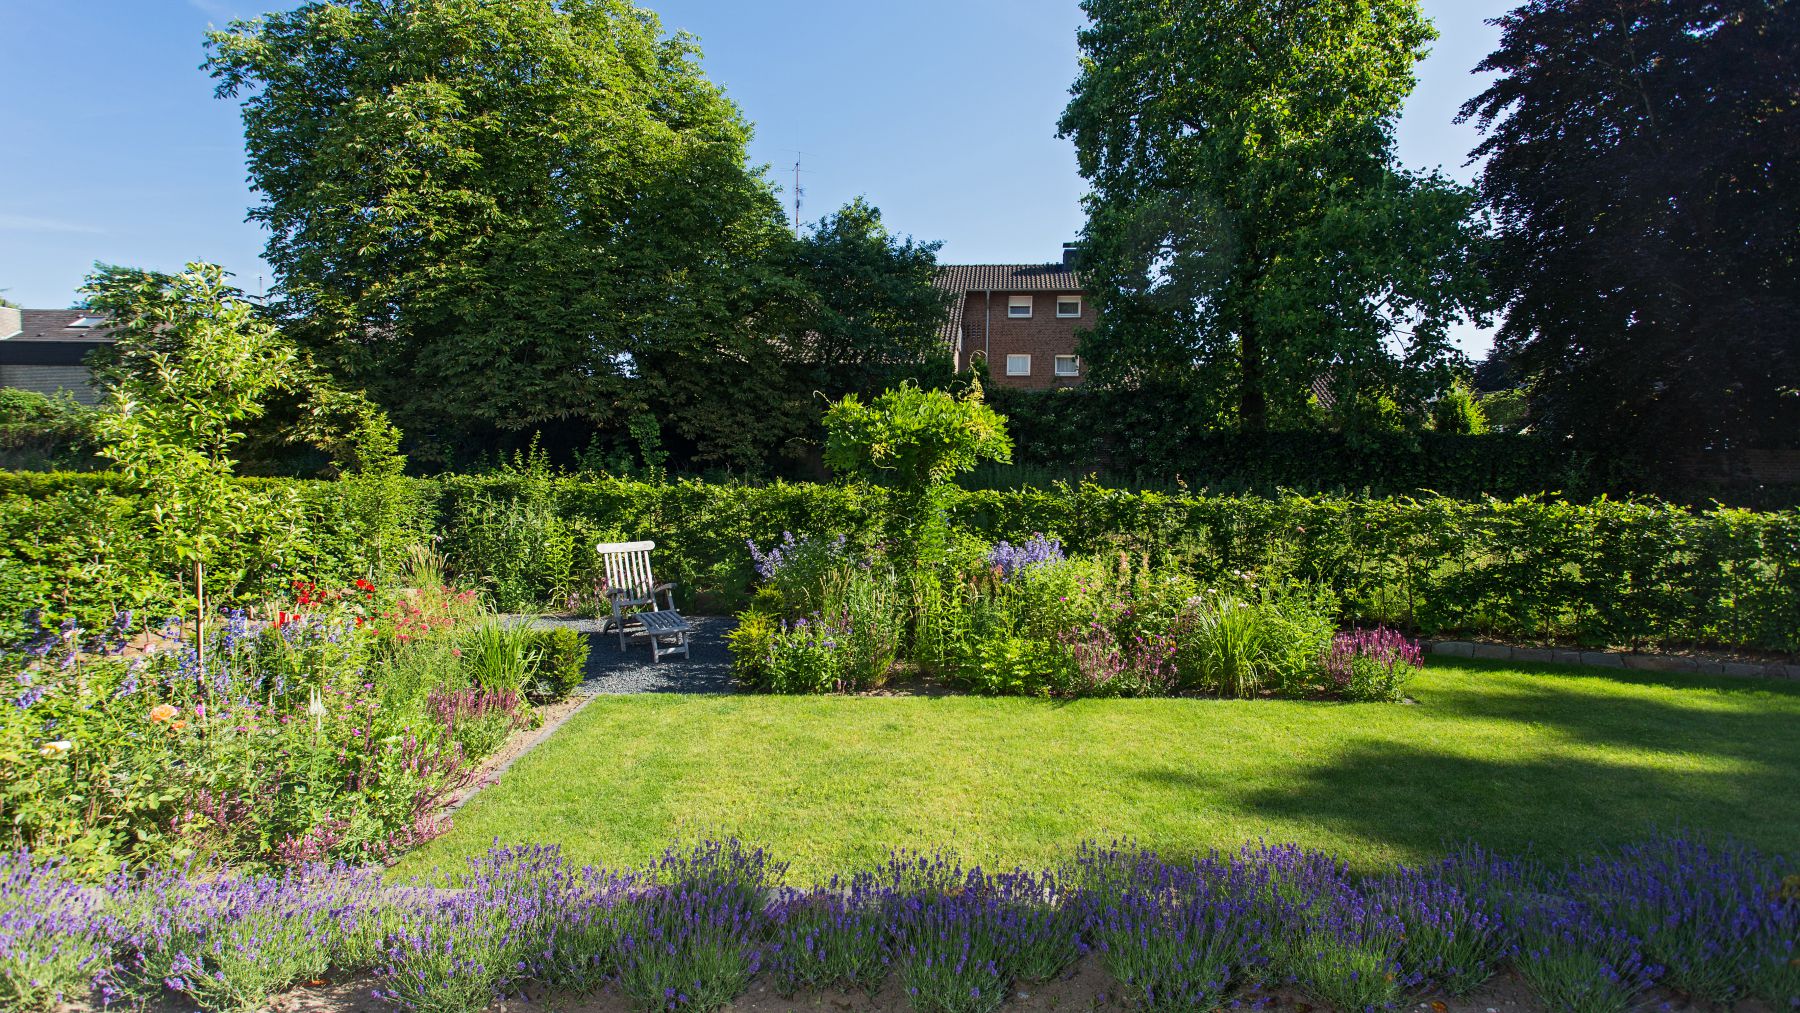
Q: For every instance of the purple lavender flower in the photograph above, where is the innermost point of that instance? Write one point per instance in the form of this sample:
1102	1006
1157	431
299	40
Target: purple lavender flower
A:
1009	559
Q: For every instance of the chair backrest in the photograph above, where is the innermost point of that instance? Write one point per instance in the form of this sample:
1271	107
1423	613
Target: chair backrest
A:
628	567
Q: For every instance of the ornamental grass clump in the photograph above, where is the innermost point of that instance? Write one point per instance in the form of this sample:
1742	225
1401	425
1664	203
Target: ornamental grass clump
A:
1179	937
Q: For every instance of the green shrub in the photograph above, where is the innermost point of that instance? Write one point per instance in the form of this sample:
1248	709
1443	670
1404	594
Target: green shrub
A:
1237	648
751	642
1538	568
561	666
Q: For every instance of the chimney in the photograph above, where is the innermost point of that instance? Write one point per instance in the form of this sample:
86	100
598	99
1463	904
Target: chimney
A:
1072	255
11	323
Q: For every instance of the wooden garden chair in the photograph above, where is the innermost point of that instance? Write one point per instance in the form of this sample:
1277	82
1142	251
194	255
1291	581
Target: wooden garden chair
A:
633	593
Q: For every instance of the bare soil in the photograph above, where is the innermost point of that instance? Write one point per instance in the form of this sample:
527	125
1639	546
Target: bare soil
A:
1088	989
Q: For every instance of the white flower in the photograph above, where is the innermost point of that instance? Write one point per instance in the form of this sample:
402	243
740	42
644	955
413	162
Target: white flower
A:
57	748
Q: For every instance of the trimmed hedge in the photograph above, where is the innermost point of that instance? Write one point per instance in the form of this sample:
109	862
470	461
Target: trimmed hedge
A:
1617	573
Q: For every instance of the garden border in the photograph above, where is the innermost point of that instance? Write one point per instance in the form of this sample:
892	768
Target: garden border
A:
492	777
1610	659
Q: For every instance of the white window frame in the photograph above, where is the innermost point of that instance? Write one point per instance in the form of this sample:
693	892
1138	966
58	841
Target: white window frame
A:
1016	303
1068	298
1014	361
1074	363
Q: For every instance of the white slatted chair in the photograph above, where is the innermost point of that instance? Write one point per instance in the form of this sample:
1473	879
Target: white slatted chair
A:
630	586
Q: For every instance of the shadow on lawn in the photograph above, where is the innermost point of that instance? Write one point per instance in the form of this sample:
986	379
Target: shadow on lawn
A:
1418	800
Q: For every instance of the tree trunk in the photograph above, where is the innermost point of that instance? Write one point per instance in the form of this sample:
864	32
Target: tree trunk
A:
1253	407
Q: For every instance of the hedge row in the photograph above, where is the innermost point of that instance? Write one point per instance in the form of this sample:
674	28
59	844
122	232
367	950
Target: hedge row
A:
1538	568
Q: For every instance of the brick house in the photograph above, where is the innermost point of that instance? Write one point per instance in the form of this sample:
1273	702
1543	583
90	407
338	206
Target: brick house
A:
1022	318
46	350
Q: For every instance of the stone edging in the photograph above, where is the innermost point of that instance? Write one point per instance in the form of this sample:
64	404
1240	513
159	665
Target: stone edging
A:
1610	659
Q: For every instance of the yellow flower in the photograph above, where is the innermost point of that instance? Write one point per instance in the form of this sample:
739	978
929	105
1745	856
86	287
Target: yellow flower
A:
161	712
56	748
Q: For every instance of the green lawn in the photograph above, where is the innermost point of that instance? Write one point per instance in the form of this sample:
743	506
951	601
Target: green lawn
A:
1505	755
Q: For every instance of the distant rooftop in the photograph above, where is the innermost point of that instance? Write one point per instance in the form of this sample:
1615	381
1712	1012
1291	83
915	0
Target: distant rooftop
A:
965	278
54	325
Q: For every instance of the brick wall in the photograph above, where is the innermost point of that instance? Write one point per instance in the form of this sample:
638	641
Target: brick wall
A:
1043	337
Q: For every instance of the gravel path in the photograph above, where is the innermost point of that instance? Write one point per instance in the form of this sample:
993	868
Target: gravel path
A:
706	670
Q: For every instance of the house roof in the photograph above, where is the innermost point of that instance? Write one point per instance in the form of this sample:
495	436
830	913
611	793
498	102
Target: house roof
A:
1008	278
965	278
54	325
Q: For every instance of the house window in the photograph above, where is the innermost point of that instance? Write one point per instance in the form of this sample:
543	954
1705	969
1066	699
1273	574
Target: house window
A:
1068	306
1019	307
1018	365
1068	365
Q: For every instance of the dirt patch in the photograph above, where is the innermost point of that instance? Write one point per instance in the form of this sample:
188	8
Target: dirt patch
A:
1086	989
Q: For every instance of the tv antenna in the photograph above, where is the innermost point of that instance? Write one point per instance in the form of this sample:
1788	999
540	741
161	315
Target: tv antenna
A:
799	191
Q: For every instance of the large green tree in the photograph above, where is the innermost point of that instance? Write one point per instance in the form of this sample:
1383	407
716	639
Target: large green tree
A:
1643	167
868	312
1250	233
495	216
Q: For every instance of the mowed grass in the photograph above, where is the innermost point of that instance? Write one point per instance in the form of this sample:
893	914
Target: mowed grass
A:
1565	760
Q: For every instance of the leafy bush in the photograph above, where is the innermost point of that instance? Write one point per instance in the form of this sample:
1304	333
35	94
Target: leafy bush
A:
38	431
561	665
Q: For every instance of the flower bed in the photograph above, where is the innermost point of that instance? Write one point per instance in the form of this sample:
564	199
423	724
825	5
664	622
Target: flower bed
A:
334	729
1029	620
1714	922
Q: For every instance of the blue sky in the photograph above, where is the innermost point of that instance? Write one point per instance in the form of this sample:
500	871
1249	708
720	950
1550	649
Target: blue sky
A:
942	112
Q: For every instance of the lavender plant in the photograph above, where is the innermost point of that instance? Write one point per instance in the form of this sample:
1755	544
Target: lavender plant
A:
1180	938
459	950
1704	912
51	946
961	938
1449	938
693	929
1578	963
833	936
692	938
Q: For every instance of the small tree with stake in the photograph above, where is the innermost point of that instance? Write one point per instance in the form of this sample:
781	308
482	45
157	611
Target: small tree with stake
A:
208	359
914	442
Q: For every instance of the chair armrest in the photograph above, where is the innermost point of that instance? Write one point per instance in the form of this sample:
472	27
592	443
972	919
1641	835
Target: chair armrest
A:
617	592
658	589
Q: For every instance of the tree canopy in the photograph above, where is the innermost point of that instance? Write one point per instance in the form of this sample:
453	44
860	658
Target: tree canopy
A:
1643	168
489	215
1250	235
